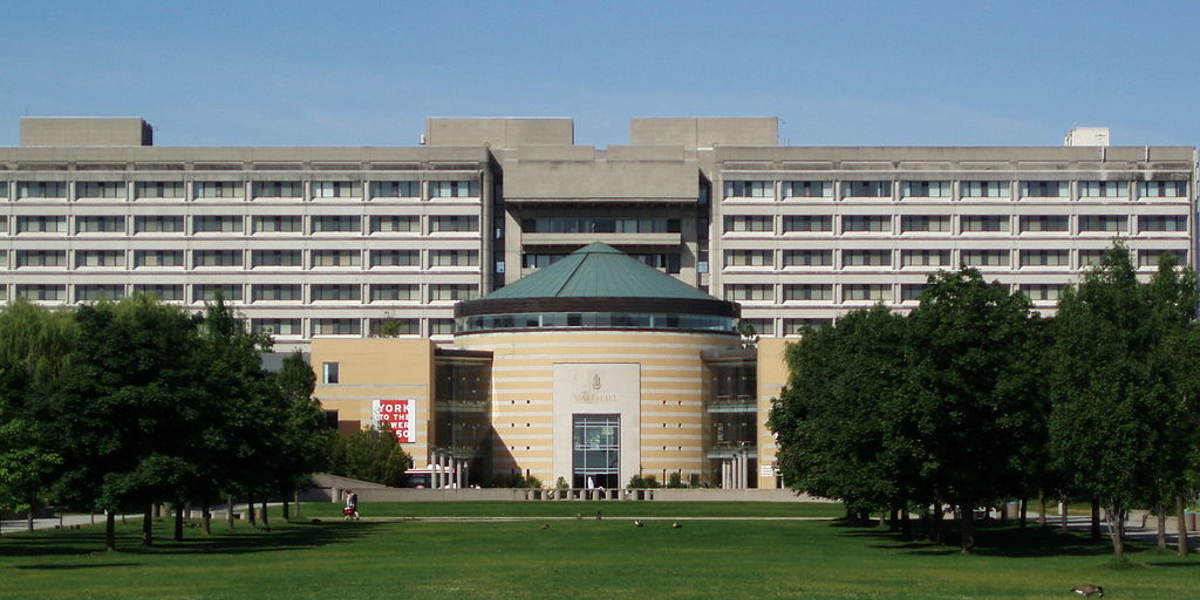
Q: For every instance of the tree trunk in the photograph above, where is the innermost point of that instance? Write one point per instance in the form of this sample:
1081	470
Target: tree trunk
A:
967	527
287	515
1095	519
206	518
1181	529
1062	507
883	518
1161	533
905	524
1024	512
1003	513
250	511
1042	514
229	513
266	523
178	537
110	531
29	519
297	505
937	533
148	526
1116	530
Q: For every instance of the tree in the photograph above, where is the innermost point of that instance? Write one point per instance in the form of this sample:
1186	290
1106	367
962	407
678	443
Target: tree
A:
1117	396
370	455
306	438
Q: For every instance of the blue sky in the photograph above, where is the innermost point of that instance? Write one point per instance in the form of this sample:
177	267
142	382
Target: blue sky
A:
836	73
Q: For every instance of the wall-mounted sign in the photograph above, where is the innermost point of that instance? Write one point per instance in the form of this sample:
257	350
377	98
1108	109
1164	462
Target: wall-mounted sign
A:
397	415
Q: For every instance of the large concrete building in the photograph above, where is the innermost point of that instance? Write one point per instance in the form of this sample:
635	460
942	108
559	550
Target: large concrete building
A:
325	246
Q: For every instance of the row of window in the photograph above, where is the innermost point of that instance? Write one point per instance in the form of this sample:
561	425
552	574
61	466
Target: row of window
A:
864	292
259	292
944	223
343	326
237	258
237	189
600	225
944	189
237	224
935	258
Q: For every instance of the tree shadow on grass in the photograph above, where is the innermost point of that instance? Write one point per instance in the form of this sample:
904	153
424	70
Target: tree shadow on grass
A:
55	567
1174	564
1007	541
91	541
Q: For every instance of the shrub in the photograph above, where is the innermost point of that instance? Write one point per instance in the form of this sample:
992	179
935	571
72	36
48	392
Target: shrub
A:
370	455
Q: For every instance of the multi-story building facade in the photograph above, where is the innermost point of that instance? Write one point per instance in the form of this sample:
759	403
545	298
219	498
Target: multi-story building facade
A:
337	241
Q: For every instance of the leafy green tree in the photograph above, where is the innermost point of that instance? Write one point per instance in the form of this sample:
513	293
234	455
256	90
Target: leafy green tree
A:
306	438
371	455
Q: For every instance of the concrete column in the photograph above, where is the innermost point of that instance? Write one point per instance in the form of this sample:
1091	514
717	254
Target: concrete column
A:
724	478
436	478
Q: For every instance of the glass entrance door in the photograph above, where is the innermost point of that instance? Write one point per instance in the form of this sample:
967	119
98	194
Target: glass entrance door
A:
596	449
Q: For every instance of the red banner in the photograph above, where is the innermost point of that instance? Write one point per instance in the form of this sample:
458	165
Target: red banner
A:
397	415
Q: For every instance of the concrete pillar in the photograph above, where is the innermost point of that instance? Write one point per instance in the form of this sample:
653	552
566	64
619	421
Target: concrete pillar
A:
436	478
724	477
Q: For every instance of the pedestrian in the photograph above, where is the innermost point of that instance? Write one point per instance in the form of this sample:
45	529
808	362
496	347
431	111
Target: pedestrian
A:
351	510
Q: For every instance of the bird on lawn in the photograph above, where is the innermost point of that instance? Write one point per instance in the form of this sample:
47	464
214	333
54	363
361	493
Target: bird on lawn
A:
676	525
599	514
638	523
544	526
1088	590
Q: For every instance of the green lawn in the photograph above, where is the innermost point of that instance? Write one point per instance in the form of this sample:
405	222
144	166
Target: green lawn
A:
572	559
615	508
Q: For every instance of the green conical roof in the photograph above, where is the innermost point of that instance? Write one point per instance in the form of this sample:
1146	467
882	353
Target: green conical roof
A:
598	271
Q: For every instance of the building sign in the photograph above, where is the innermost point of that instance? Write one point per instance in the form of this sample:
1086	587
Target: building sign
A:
397	415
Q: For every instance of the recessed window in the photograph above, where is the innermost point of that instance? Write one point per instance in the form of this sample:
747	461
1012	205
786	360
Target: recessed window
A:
166	292
755	292
276	258
454	258
807	292
792	327
866	223
336	258
1103	223
41	258
336	292
208	292
1044	223
1091	258
749	258
379	327
453	189
217	224
395	292
443	223
807	223
158	258
41	224
1045	189
158	224
984	189
453	291
42	189
441	326
1162	223
276	292
911	292
1162	189
280	327
1042	292
1044	258
925	258
395	258
336	189
985	223
336	224
866	258
277	189
1150	258
218	189
874	292
924	223
329	372
97	292
395	223
159	189
42	292
808	189
100	224
278	224
866	189
925	189
986	258
100	258
737	223
808	258
395	189
749	189
1104	189
216	258
99	189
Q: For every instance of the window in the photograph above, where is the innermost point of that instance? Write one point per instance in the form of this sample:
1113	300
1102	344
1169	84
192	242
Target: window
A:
329	372
808	258
925	258
1162	223
336	258
395	223
667	261
984	189
1044	189
911	292
166	292
395	292
216	258
985	258
749	258
276	292
41	224
807	223
3	223
1045	258
808	189
874	292
441	327
925	189
41	292
1150	258
1162	189
1035	223
278	224
95	293
336	327
41	258
985	223
808	291
281	327
158	258
99	258
749	189
1042	292
217	224
105	224
159	189
336	291
99	189
453	189
866	189
207	292
395	258
537	261
1104	189
218	189
276	258
1090	258
1103	223
866	258
859	223
454	223
600	225
749	223
336	189
453	291
395	189
4	191
454	258
800	326
277	189
924	223
157	224
739	292
763	327
376	327
42	189
336	224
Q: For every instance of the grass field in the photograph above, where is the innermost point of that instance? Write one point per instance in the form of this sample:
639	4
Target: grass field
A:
572	559
587	509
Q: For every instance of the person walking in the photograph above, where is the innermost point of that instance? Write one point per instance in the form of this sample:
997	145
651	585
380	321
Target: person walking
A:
351	510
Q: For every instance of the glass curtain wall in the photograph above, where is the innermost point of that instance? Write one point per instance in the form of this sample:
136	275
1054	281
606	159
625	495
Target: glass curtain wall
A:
461	403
